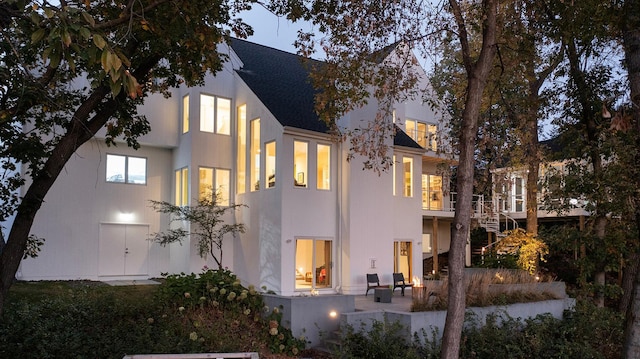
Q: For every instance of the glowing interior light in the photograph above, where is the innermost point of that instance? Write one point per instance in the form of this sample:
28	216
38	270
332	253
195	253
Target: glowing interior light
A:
333	314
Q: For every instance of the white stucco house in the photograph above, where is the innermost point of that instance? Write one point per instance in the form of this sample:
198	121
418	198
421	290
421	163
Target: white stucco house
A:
315	221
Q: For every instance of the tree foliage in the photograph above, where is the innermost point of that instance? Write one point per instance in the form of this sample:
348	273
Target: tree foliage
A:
529	249
71	68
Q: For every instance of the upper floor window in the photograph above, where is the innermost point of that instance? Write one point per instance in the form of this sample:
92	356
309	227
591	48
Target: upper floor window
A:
182	187
300	163
126	169
254	153
423	133
241	172
270	164
185	114
215	113
215	182
324	167
407	165
432	192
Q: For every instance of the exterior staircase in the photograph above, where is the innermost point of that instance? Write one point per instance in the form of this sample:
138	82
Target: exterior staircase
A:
492	220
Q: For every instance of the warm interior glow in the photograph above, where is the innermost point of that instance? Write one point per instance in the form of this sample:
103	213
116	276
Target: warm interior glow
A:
333	314
416	281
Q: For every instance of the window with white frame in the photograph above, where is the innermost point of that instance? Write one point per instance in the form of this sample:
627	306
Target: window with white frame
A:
323	167
185	114
254	153
241	171
126	169
270	163
423	133
182	187
300	163
432	192
214	182
215	114
407	165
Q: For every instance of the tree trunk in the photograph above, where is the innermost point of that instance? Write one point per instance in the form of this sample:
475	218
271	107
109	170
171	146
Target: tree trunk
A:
477	74
631	43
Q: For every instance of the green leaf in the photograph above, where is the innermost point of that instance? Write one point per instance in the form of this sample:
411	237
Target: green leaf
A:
99	41
48	13
35	18
85	33
116	87
104	59
38	36
55	60
88	18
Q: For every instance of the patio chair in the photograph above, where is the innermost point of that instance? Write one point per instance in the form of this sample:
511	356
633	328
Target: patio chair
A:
398	282
373	282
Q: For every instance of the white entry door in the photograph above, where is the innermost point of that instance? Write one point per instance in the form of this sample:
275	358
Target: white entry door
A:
124	249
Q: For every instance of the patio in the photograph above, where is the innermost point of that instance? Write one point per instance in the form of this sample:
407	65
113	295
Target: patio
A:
398	303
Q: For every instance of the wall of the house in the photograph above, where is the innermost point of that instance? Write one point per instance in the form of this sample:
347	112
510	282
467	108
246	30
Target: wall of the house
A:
81	201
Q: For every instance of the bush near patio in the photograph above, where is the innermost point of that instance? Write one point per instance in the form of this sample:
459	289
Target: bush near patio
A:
187	313
585	332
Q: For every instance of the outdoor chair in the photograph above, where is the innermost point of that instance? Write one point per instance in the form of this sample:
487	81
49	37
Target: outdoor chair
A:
373	282
398	282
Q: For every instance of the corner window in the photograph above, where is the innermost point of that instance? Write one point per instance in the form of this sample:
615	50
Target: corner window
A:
432	137
182	187
270	164
407	165
300	163
254	152
126	169
185	114
215	113
324	167
417	131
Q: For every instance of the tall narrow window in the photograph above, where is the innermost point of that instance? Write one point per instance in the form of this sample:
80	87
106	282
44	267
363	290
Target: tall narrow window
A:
182	187
402	259
241	164
205	185
435	192
207	113
300	161
185	114
270	164
421	134
223	116
432	137
407	163
313	263
410	127
254	152
222	182
394	165
324	167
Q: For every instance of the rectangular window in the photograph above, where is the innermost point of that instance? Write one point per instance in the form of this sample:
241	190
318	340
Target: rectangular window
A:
207	113
300	163
222	182
254	152
223	116
241	170
205	185
313	263
324	167
126	169
417	131
270	164
185	114
432	138
215	113
407	164
432	192
182	187
402	259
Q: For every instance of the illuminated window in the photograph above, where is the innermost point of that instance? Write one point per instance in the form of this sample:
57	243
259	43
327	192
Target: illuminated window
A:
324	167
407	164
432	192
185	114
417	131
215	113
432	138
254	152
313	263
300	161
214	182
126	169
270	164
182	187
241	171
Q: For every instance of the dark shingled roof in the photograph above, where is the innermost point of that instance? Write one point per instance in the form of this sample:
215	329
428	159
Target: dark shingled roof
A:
281	81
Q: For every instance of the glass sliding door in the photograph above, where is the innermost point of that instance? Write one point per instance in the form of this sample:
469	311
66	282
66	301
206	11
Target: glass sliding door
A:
313	263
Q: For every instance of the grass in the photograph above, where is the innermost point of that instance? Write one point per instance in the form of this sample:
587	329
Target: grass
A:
481	291
210	312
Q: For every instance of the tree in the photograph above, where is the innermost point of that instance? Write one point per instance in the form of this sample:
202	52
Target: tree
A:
71	68
206	221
